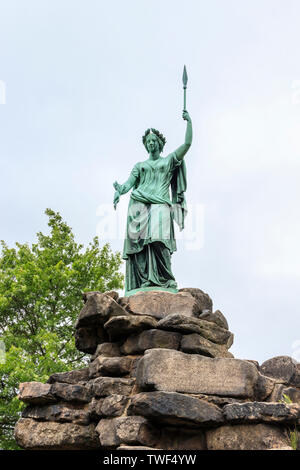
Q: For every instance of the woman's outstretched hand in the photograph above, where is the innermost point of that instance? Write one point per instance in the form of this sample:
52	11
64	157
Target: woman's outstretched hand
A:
186	116
118	189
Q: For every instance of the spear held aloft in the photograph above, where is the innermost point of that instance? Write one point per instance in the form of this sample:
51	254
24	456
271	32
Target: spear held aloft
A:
184	81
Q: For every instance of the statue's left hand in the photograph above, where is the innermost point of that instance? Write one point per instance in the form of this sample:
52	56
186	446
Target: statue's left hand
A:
116	199
117	187
186	116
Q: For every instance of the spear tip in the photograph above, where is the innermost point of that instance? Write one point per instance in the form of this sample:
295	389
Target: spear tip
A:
184	77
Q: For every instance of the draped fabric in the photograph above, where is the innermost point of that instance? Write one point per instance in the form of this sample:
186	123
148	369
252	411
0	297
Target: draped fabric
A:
150	240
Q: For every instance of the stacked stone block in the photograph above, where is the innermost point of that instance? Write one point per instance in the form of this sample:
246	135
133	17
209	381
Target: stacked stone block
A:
161	377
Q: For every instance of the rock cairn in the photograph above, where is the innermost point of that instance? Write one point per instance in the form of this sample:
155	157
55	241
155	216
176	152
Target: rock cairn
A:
160	377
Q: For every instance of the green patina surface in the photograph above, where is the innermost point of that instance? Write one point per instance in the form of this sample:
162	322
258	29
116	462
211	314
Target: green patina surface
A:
150	240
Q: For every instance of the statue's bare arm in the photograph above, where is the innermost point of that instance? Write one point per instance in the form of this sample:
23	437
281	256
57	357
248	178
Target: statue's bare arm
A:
182	150
123	188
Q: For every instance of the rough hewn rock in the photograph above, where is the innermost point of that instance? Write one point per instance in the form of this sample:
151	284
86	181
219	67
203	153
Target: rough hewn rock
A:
59	412
71	377
105	386
165	382
36	393
110	366
203	300
295	379
94	408
197	344
98	309
276	394
72	393
87	339
114	405
208	330
182	439
247	437
134	448
264	387
120	327
175	409
281	368
217	317
220	401
123	301
257	412
126	430
159	304
107	349
150	339
32	434
169	370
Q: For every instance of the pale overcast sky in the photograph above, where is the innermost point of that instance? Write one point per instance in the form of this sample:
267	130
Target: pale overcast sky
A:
84	79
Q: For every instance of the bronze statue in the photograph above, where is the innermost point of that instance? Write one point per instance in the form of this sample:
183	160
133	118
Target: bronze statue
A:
150	240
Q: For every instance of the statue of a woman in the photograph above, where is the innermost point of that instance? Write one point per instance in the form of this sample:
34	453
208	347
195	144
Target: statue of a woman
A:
150	241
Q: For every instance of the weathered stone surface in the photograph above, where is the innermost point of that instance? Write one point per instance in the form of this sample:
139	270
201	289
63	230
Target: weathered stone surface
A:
208	330
217	317
87	339
94	408
123	301
247	437
105	386
72	393
264	387
175	409
127	430
159	304
276	394
292	393
182	439
110	366
295	379
220	401
70	377
118	327
107	349
59	412
169	370
125	447
256	412
32	434
196	344
113	294
256	363
36	393
203	300
114	405
98	309
281	368
150	339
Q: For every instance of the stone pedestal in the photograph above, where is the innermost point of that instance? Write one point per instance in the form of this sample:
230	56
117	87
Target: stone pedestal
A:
160	376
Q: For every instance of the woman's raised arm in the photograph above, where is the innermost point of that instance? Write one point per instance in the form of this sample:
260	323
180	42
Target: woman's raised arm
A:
182	150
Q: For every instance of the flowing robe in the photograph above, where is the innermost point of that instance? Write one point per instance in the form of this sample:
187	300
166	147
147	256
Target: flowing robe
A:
150	240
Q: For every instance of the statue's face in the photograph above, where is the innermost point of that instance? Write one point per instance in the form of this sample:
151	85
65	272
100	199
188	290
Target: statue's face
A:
152	143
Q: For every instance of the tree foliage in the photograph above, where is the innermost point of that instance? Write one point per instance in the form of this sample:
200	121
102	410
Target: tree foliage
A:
40	297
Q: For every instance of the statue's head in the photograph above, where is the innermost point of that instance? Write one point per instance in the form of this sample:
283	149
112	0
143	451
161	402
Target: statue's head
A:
153	140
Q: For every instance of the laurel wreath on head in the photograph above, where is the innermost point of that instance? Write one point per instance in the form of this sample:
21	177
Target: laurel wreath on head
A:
160	137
